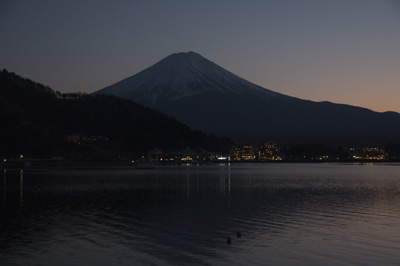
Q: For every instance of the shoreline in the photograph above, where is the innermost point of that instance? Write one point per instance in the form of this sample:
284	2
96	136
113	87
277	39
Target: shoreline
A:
125	165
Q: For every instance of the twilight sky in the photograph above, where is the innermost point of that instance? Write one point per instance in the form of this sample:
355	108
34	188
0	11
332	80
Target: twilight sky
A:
344	51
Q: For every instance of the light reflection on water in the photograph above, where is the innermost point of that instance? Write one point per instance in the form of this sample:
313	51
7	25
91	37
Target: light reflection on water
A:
302	214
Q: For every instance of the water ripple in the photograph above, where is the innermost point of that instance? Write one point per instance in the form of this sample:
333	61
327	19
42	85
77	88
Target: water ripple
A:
287	215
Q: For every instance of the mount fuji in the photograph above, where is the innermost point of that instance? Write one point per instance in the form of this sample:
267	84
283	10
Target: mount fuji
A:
205	96
183	75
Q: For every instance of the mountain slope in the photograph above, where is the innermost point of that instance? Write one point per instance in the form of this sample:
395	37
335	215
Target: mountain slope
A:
205	96
37	122
182	75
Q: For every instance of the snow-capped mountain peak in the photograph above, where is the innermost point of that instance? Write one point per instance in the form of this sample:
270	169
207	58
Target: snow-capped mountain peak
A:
181	75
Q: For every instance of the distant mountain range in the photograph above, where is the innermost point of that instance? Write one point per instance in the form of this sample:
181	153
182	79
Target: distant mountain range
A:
205	96
39	122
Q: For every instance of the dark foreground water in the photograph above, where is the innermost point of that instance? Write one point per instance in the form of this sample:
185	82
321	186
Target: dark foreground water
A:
288	214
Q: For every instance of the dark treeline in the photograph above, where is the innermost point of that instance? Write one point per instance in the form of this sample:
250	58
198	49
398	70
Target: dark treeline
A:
42	123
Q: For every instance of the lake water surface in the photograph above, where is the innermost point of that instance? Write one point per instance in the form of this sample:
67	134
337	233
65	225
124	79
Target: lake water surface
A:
288	214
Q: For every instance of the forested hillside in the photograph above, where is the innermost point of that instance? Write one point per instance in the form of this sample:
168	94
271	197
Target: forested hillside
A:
42	123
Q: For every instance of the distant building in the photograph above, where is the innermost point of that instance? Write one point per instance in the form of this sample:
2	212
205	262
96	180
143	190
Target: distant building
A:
268	151
374	154
247	153
237	154
74	138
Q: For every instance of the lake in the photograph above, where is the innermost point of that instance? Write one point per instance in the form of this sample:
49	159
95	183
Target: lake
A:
288	214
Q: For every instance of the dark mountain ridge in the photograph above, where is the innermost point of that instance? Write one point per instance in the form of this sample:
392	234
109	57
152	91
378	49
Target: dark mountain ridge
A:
38	121
205	96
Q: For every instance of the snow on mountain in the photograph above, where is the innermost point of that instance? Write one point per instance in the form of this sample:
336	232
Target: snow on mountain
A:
181	75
